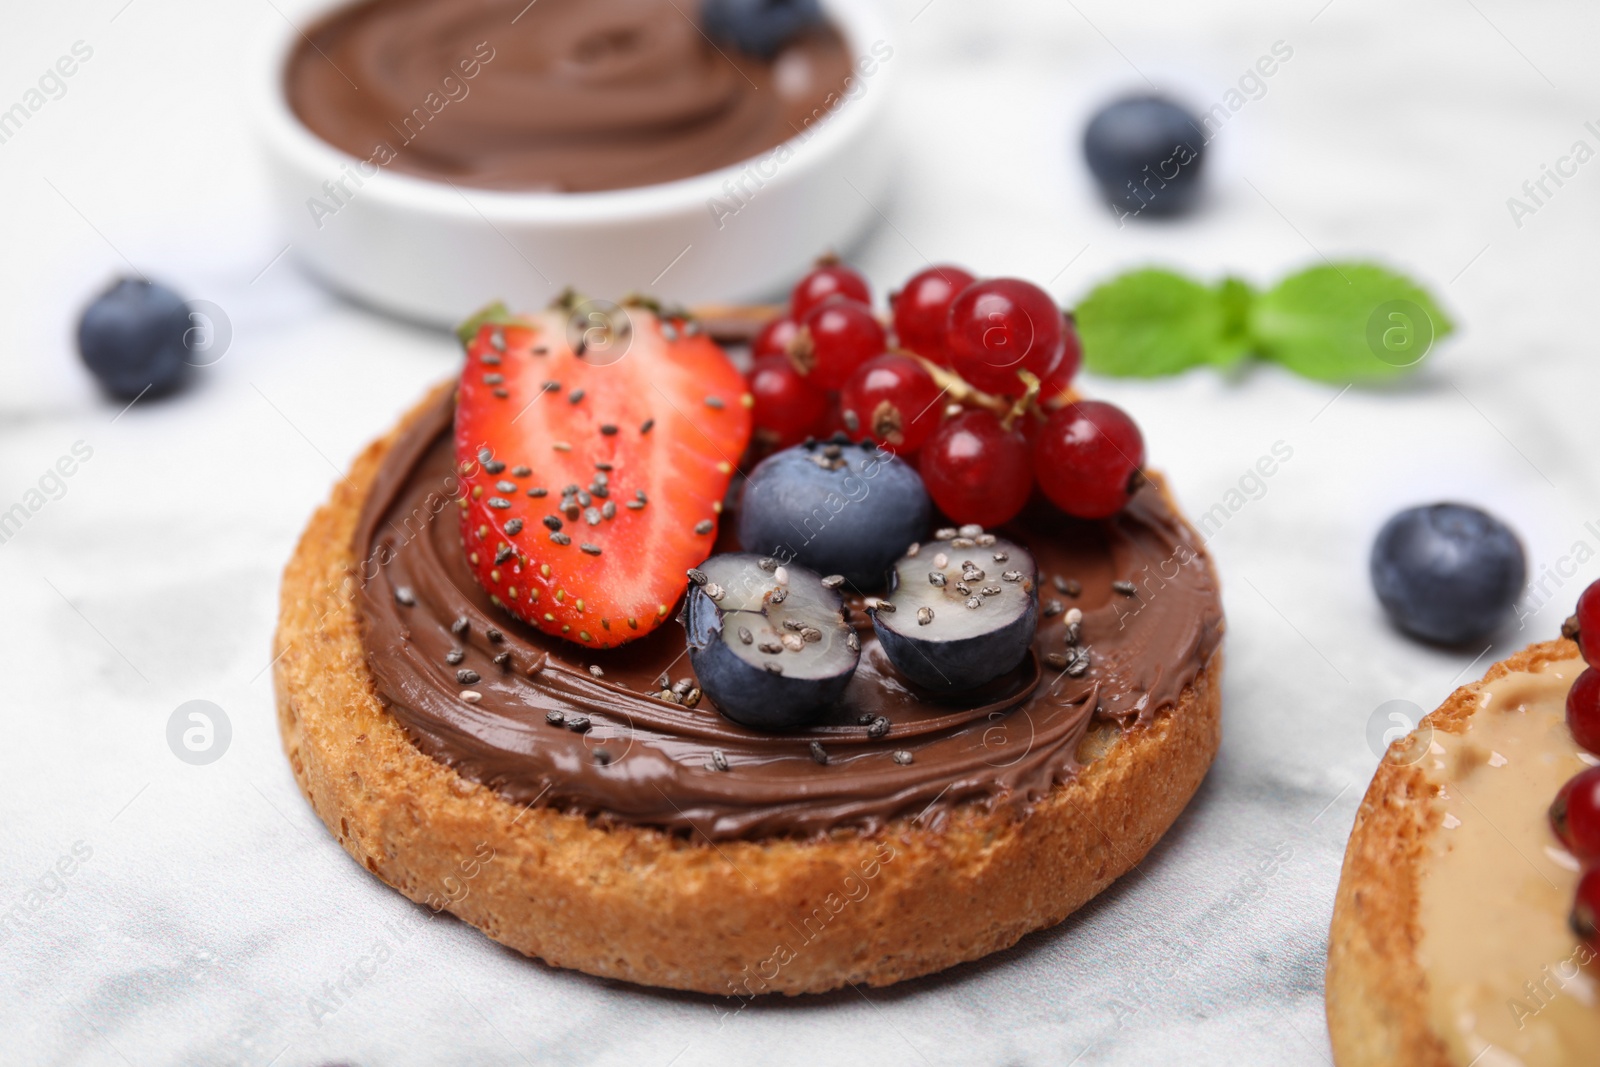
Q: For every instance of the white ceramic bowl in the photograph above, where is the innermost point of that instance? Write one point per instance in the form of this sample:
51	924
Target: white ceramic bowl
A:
427	250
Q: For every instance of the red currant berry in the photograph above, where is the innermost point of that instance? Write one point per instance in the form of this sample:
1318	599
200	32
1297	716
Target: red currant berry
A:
1001	326
1087	455
834	340
976	470
922	311
894	401
1575	815
829	281
1054	391
774	338
786	405
1589	623
1583	710
1586	909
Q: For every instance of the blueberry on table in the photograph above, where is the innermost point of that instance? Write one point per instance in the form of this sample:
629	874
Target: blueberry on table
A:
1147	153
769	643
1447	573
759	27
836	507
132	338
961	612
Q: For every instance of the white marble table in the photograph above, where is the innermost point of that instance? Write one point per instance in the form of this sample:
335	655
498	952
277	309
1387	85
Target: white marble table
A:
206	905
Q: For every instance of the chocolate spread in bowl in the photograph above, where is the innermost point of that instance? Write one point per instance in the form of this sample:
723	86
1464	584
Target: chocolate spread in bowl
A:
554	96
643	760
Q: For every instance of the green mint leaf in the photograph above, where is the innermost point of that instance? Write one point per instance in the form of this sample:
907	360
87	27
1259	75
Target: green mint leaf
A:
1347	322
1151	322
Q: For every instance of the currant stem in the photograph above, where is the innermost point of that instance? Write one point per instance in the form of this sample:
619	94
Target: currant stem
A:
1030	393
957	387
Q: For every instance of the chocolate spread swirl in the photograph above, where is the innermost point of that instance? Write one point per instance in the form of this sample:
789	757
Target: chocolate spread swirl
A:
643	760
556	96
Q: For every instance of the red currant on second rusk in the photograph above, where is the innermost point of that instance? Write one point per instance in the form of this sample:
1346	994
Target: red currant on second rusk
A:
976	470
1086	455
1583	710
1589	623
786	405
1001	326
774	338
829	280
834	340
922	311
1575	815
895	402
1586	909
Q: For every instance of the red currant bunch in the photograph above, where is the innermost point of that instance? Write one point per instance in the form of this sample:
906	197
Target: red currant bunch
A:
975	390
1583	700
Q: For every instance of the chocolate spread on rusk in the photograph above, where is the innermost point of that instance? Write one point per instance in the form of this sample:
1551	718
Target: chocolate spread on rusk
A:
557	96
638	759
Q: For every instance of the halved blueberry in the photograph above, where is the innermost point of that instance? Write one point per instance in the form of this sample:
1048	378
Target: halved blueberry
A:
769	643
760	27
836	507
961	611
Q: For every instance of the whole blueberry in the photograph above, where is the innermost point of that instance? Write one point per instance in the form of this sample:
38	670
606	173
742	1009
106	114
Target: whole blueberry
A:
132	338
1447	572
838	508
1147	153
759	27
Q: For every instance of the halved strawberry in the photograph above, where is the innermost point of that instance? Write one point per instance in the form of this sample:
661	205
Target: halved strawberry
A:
593	481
